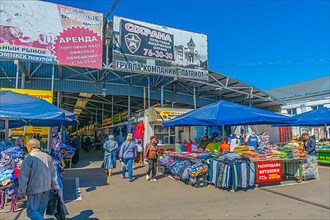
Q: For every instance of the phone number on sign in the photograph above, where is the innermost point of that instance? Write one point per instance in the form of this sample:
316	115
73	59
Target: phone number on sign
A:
158	54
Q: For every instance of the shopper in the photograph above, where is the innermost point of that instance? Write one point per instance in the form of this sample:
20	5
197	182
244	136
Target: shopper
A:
264	139
110	156
37	177
127	154
184	146
189	146
224	147
151	155
309	144
76	145
195	145
88	143
177	147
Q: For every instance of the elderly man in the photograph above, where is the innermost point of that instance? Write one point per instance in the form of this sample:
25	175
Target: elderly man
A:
37	177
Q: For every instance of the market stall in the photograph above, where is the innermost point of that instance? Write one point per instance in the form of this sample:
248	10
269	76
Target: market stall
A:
272	163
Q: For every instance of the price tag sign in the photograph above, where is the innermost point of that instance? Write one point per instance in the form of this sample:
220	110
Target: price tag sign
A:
269	171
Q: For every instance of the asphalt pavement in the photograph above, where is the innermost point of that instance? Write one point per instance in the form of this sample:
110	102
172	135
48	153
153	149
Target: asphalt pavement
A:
90	194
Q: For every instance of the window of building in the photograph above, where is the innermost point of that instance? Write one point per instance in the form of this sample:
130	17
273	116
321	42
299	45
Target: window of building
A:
165	135
317	107
292	111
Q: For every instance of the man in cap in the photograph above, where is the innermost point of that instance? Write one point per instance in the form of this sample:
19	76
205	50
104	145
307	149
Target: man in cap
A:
37	177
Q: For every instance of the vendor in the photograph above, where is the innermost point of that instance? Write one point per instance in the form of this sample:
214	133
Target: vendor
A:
309	144
184	146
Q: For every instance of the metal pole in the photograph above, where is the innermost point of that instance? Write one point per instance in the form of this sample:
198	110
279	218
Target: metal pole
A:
129	107
112	108
144	98
102	111
162	96
58	99
148	92
223	131
23	81
194	96
6	129
53	75
17	73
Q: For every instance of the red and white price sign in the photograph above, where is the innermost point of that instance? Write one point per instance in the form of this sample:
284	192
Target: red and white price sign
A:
269	171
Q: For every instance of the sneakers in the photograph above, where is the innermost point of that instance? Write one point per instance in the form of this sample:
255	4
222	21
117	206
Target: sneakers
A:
147	177
131	180
153	180
123	177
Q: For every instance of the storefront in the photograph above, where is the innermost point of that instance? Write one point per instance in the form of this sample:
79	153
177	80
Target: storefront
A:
153	119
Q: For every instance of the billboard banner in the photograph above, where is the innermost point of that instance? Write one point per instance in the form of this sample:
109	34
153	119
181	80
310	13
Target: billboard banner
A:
147	48
39	31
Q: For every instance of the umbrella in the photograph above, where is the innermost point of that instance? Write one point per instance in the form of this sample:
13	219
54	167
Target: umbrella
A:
317	117
227	113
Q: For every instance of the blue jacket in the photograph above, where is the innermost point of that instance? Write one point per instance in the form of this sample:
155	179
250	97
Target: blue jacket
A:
110	146
309	147
127	150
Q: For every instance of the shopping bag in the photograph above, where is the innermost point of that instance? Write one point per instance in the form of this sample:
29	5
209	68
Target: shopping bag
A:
61	210
52	206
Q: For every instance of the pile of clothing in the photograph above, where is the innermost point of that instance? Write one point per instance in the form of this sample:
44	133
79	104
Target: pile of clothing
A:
186	167
10	164
231	171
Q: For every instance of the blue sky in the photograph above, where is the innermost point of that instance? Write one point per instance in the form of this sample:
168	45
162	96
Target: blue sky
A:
264	43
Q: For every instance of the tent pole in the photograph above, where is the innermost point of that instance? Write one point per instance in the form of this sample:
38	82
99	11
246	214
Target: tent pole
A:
49	135
6	129
223	132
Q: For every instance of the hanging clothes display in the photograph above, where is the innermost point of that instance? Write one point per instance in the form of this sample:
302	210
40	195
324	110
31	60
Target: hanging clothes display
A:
139	130
10	163
231	171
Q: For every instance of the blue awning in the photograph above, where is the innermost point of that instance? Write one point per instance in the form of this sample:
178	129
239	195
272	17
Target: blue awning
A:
24	110
227	113
318	117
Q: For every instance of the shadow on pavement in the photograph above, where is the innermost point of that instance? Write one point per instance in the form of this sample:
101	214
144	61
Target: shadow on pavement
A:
84	215
90	178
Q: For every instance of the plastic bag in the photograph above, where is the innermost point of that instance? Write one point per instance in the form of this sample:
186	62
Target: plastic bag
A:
52	206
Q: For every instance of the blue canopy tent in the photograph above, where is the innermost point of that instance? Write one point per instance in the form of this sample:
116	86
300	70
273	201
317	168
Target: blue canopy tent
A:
26	109
70	119
227	113
314	118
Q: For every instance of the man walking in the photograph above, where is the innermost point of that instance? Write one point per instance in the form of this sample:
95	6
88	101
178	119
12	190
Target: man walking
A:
37	177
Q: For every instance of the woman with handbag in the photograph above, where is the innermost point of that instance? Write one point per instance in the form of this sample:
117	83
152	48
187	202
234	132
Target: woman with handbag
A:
127	154
151	155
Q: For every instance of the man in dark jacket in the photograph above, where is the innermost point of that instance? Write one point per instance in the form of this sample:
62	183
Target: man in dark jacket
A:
309	144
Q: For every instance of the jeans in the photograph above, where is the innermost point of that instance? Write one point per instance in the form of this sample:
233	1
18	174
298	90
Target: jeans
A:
127	163
36	205
152	167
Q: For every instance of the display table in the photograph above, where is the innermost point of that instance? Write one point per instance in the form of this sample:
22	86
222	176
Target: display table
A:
268	171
